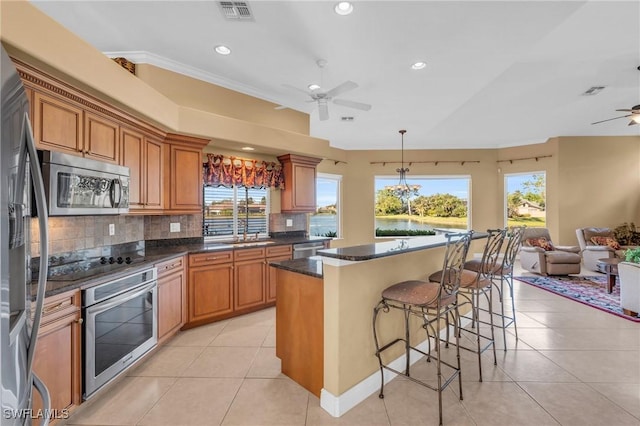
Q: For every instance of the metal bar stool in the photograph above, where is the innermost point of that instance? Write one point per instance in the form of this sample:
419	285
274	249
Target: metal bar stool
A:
504	274
432	303
477	280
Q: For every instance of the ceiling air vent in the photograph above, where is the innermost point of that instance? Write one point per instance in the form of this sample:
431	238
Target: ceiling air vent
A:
236	10
346	118
593	90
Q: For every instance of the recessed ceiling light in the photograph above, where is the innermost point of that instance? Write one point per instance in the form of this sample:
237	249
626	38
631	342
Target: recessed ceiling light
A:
418	65
248	148
313	87
223	50
343	8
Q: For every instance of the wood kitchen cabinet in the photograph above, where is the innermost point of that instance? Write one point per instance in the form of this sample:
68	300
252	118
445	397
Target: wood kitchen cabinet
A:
58	354
275	253
172	293
249	278
101	138
62	125
57	124
183	176
210	286
144	157
299	193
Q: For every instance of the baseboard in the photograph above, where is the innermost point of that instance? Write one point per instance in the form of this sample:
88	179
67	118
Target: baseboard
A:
336	406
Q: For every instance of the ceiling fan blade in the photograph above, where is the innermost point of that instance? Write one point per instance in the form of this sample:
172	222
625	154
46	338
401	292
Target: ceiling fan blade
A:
352	104
344	87
632	123
625	110
323	109
615	118
297	89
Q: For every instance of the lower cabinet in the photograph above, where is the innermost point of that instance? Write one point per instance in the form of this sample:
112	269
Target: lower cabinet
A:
210	286
248	277
228	283
275	254
171	297
58	357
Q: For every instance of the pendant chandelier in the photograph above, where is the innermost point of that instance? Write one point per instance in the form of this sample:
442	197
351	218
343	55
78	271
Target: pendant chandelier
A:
403	190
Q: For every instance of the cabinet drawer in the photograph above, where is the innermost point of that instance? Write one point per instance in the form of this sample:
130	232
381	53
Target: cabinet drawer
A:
249	254
170	266
279	250
58	306
212	258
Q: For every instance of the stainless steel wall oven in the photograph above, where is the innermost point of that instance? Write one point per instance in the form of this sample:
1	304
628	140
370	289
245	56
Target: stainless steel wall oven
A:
120	325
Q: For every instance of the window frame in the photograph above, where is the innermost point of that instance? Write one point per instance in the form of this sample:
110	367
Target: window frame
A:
236	231
505	192
338	181
411	180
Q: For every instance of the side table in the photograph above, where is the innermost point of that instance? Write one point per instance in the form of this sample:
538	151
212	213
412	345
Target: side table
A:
610	267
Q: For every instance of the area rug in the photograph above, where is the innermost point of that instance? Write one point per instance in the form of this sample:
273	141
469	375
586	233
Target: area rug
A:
589	290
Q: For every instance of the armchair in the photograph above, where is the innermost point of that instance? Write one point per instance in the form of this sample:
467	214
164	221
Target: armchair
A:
592	252
539	255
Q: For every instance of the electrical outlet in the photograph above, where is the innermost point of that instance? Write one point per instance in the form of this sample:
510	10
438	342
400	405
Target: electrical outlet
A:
112	229
174	227
289	222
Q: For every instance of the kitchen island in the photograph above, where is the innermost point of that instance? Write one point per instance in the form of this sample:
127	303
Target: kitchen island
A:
352	280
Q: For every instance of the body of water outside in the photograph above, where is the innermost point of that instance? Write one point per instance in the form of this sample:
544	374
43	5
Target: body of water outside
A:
321	224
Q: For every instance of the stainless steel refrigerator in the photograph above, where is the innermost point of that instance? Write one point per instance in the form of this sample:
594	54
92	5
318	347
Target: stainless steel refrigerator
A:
21	179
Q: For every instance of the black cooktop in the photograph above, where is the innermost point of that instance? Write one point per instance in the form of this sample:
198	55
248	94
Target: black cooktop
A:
90	268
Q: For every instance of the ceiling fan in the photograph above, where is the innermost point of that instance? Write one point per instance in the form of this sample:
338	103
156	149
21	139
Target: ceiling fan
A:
322	97
634	114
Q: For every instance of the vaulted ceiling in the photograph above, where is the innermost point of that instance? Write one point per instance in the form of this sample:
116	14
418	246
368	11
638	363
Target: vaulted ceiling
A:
497	73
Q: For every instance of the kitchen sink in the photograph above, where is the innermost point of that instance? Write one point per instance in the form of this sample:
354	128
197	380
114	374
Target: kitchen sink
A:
251	243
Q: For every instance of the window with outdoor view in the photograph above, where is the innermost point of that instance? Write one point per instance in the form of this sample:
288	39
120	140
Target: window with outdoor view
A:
525	199
235	212
325	221
428	203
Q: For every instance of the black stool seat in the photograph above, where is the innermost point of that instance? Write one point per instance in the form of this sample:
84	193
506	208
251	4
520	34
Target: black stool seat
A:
418	293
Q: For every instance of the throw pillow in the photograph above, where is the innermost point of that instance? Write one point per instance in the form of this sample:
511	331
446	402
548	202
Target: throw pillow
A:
541	242
606	241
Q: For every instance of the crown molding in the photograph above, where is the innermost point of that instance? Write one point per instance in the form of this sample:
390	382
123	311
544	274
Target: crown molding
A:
144	57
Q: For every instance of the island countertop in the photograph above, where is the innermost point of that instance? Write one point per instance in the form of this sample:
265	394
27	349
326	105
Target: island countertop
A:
390	248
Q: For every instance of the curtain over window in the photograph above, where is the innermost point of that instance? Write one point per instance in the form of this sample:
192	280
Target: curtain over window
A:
230	171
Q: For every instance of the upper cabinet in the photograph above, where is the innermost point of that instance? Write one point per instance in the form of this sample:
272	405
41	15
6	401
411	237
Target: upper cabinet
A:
183	176
299	193
144	157
63	125
57	125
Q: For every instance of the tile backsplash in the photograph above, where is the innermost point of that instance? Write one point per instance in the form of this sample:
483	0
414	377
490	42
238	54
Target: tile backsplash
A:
71	233
278	222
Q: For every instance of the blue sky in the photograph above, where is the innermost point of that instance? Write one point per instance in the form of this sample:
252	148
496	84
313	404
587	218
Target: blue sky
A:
326	189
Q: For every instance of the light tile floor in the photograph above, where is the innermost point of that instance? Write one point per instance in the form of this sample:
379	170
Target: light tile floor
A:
572	365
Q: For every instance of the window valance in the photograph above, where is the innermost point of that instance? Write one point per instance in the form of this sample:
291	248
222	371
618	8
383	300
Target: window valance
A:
229	171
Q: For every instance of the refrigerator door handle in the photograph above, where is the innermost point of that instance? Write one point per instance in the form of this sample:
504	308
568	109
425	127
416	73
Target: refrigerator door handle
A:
41	205
44	395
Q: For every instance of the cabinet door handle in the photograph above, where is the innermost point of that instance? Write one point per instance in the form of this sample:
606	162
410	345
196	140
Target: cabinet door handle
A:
80	320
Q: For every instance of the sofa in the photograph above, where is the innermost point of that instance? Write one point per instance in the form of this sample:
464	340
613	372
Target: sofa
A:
539	255
598	243
629	274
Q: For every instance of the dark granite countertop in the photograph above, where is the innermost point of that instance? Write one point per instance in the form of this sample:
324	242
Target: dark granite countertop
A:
311	266
157	251
389	248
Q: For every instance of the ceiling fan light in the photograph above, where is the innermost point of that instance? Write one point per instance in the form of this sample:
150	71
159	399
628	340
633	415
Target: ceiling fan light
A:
223	50
343	8
635	118
313	87
418	65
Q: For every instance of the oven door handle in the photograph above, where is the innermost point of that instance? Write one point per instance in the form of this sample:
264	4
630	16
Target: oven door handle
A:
118	300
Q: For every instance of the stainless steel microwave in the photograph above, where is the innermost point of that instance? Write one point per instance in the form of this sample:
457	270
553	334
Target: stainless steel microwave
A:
80	186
